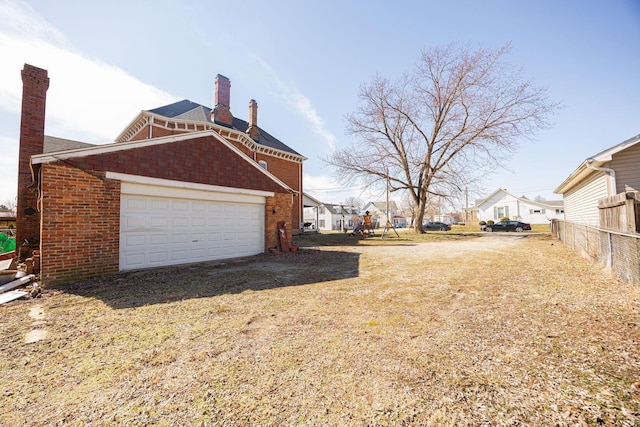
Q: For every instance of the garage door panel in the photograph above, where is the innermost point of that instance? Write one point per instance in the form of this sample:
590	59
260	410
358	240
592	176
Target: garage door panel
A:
158	239
158	221
136	240
179	254
135	221
199	222
179	238
136	204
156	231
180	221
158	257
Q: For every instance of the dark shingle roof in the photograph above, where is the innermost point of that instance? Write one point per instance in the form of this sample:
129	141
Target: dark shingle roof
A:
53	144
186	109
340	209
176	109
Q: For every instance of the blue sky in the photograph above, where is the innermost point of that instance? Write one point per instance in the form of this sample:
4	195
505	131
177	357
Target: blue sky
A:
304	63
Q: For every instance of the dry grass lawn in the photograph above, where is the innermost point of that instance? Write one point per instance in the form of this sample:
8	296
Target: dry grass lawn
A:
447	330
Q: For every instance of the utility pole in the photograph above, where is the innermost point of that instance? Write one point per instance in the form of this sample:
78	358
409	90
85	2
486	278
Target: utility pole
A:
387	197
466	204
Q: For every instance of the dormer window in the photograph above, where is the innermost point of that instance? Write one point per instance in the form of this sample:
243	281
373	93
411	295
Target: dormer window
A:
263	164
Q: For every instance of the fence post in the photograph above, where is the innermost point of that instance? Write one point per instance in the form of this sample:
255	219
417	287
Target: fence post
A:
610	257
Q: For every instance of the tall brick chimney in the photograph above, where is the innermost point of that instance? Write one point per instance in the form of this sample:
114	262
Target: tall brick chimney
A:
253	130
35	83
221	113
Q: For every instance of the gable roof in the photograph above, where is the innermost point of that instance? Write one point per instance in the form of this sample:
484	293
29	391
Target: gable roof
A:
597	160
544	203
130	145
340	209
189	110
382	206
310	201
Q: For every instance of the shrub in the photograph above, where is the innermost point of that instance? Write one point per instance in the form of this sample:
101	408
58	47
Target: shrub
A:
504	218
482	223
490	222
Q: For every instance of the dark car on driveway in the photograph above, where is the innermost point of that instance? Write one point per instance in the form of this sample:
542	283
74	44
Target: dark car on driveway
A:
437	226
516	226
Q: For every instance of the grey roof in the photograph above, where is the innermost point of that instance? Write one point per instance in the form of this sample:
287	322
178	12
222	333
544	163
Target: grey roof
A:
201	114
53	144
340	209
189	110
382	205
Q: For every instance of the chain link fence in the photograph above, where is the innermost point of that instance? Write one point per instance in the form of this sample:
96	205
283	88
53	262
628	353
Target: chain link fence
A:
617	251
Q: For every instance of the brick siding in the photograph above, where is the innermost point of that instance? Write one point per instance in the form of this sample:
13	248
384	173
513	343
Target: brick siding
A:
289	173
81	209
34	91
80	224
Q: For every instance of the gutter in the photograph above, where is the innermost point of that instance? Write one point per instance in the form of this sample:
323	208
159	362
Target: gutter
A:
611	172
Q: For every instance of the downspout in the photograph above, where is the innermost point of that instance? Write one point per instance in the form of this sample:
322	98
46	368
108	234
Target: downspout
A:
611	189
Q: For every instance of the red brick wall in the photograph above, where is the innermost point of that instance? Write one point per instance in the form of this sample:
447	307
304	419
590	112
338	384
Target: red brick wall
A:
80	224
289	173
202	160
34	92
81	209
278	208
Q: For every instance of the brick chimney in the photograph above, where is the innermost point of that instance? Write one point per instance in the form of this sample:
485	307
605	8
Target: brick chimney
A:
253	130
35	83
221	113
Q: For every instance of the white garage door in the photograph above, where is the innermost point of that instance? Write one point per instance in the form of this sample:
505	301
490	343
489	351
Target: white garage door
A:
158	231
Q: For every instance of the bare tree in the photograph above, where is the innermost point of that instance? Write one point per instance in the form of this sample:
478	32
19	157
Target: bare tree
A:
539	198
354	202
456	117
9	206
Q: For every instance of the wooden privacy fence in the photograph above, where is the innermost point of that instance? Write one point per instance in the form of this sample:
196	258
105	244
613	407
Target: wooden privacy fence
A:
616	250
620	212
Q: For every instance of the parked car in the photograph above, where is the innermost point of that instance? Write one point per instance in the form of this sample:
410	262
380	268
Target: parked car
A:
516	226
439	226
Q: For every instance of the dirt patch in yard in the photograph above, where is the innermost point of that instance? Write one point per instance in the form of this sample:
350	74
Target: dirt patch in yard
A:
494	330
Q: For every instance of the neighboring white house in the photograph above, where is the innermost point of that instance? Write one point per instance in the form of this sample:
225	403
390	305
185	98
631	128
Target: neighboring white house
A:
447	219
336	217
501	203
379	212
610	172
310	212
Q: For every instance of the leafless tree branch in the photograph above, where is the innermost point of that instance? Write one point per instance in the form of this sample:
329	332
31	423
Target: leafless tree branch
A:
460	114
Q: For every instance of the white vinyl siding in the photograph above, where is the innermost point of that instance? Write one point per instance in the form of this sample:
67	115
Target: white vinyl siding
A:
504	204
581	202
627	166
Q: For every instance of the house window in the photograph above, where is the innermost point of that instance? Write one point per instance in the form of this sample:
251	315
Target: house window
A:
321	210
263	164
500	211
559	211
322	223
537	211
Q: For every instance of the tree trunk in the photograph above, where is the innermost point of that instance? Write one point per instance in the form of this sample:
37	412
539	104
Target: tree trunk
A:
419	217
